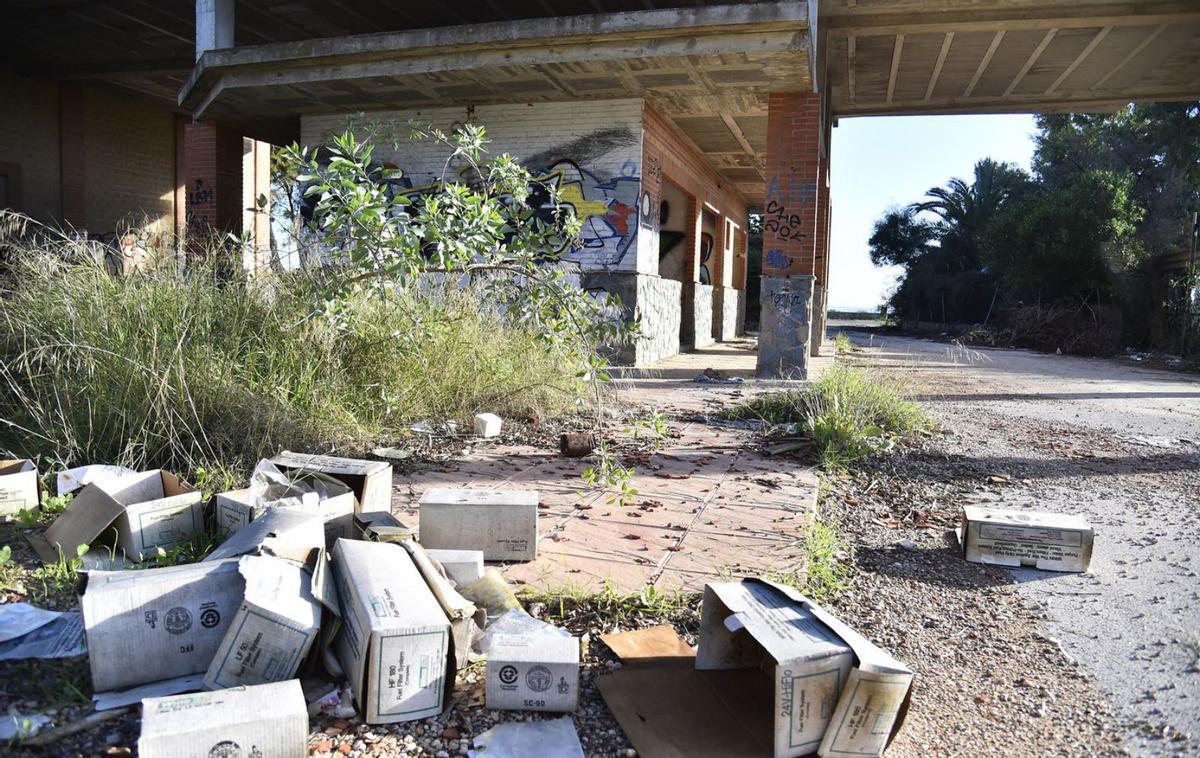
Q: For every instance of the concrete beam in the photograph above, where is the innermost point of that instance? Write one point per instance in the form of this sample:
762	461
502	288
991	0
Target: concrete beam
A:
531	41
1083	101
214	26
928	18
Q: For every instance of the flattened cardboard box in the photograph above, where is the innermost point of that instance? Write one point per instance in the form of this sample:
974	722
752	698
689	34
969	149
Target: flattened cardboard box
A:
148	510
1047	541
153	624
834	691
236	508
500	523
263	721
19	487
371	481
532	673
394	643
274	628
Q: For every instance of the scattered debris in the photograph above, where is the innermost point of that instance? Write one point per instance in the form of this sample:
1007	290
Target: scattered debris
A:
576	444
30	632
502	524
266	719
19	486
487	425
1047	541
713	376
272	489
555	738
371	481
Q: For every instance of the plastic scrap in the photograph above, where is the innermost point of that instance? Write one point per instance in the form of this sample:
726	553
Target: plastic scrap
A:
15	726
493	594
517	623
29	632
555	738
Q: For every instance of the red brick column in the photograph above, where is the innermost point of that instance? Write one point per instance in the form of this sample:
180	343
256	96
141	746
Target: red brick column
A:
790	233
213	173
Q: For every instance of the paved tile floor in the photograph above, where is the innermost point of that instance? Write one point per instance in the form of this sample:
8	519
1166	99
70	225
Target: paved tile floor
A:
709	505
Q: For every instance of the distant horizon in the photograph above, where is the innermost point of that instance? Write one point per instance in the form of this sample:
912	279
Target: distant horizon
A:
881	162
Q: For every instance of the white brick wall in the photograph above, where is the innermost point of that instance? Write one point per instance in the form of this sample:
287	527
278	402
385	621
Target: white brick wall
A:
593	150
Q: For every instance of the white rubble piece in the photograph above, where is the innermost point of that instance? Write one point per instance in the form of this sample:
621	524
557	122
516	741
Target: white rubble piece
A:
835	693
395	643
1047	541
267	720
531	665
149	510
371	481
154	624
462	566
19	487
274	629
553	738
502	524
487	425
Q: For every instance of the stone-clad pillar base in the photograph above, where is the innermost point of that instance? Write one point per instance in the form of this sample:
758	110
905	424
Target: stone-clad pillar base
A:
818	319
785	329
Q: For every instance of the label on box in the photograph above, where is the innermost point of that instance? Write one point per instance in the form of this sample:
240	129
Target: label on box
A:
166	526
410	670
810	700
1029	544
865	714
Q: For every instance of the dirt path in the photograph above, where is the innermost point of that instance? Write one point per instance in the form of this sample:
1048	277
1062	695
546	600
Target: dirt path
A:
1023	662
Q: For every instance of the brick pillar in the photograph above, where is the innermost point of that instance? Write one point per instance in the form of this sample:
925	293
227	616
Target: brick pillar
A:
73	164
214	182
821	262
789	234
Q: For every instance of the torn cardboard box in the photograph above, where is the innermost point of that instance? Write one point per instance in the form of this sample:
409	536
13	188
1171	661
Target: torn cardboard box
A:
274	628
465	618
371	481
828	679
1048	541
267	720
19	487
500	523
306	491
463	567
145	626
394	643
281	532
145	511
381	526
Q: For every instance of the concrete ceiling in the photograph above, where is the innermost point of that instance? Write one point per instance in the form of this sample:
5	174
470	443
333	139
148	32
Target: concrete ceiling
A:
967	56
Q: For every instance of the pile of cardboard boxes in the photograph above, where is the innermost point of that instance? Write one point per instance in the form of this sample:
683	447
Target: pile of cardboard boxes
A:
316	587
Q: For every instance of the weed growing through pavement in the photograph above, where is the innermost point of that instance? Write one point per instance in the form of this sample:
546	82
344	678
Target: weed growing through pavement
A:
843	344
846	414
611	608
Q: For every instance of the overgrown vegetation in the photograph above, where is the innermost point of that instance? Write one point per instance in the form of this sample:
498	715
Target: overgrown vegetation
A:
1065	257
828	569
846	414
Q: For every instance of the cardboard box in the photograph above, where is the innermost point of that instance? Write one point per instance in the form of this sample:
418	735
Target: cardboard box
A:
465	619
145	511
371	481
532	673
281	532
502	524
462	566
19	486
274	628
237	508
145	626
267	720
1048	541
381	526
394	643
833	691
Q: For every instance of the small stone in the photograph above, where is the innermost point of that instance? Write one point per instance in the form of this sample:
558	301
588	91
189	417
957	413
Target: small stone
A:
345	748
324	746
981	699
450	733
908	545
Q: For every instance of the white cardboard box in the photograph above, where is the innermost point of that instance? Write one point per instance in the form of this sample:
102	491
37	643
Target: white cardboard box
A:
394	644
154	624
371	481
146	511
19	488
502	524
462	566
835	693
1048	541
264	721
532	673
274	628
235	509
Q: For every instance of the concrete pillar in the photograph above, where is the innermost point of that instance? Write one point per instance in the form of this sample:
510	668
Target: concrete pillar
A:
214	25
821	258
213	171
789	234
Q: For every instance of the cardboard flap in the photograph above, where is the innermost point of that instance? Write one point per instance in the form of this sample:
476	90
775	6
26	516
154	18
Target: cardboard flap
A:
455	605
870	658
328	464
88	516
281	532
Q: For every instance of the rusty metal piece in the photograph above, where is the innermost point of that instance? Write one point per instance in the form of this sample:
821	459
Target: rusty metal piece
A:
576	444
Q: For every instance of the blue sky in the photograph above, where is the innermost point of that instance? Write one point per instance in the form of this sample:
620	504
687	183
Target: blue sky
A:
881	162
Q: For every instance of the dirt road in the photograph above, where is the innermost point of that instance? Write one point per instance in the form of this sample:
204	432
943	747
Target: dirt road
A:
1021	661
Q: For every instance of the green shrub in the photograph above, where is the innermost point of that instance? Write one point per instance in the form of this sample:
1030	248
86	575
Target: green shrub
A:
183	368
848	412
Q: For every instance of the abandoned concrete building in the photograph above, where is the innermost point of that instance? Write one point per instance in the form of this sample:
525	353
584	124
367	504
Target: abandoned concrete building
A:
665	123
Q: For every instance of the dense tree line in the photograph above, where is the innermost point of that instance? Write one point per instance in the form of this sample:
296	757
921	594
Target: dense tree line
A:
1070	255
